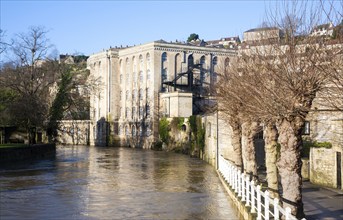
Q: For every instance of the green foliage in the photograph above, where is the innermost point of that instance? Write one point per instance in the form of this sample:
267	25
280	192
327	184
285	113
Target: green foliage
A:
192	37
7	97
180	123
192	123
198	132
177	123
164	130
200	138
308	144
60	102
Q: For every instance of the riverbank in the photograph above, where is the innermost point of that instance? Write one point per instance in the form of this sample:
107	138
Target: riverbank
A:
22	152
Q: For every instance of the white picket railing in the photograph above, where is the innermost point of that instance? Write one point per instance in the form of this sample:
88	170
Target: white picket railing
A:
260	202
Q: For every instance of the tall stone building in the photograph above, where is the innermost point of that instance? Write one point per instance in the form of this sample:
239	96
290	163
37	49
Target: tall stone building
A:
140	84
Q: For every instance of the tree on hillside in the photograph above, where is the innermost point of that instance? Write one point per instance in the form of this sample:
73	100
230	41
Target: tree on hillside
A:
59	104
192	37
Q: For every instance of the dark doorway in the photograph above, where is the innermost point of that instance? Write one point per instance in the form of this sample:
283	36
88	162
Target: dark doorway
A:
339	170
260	153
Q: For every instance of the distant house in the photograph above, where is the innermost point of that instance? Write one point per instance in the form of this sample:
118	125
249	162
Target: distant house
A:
265	33
323	30
225	42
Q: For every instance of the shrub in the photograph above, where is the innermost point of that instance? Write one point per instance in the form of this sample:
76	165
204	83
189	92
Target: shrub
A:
164	130
198	132
307	144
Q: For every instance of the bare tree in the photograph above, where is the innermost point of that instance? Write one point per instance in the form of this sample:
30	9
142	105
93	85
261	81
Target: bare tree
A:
30	79
275	80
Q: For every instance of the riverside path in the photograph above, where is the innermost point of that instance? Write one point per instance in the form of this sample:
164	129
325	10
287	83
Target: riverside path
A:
83	182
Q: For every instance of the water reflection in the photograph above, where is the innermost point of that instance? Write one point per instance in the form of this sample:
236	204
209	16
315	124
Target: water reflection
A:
112	183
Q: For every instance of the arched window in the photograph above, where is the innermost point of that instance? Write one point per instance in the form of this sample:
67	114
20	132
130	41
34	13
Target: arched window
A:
203	66
141	78
133	112
202	61
121	65
141	64
134	64
178	64
127	130
127	95
148	60
121	95
164	74
127	70
121	78
147	93
134	130
134	77
140	130
127	113
120	130
164	57
140	94
215	61
127	77
148	130
147	110
134	94
227	62
140	112
190	61
148	75
127	64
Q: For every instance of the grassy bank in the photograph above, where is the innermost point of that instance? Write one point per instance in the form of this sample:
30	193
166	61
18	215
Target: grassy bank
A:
13	145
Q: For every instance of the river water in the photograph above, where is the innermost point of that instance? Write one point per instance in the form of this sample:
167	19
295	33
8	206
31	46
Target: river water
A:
84	182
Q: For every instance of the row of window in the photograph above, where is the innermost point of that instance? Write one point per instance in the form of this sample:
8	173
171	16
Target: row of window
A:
132	113
135	76
141	63
135	132
135	93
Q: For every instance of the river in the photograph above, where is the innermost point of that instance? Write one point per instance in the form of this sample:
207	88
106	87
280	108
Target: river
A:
83	182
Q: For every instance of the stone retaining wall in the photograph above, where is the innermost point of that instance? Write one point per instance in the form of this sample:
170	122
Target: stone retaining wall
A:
323	167
24	153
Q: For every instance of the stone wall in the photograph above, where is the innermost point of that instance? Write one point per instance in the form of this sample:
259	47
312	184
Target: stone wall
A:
323	167
176	104
74	132
24	153
214	139
326	126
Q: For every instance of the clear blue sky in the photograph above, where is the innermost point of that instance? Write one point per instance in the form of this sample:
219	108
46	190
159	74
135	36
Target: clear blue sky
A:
90	26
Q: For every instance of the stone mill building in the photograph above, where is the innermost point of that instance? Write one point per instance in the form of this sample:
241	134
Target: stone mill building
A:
140	84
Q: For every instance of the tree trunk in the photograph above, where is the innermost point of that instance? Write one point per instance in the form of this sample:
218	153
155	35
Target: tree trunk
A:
249	130
270	139
236	143
289	165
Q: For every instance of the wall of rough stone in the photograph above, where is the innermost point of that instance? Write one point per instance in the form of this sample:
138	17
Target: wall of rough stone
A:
27	153
326	126
323	167
75	132
214	139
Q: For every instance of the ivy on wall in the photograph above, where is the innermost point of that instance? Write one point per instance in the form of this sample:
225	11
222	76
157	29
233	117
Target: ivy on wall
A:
198	132
164	130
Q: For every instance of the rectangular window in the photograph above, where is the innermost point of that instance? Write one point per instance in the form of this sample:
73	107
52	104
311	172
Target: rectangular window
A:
306	130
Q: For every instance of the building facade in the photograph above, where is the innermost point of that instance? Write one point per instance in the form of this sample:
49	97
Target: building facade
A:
140	84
